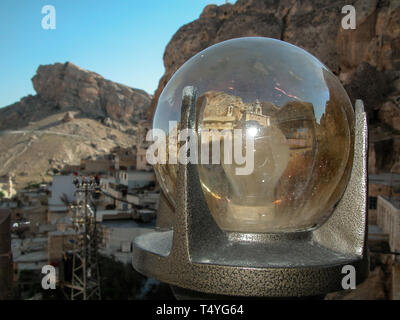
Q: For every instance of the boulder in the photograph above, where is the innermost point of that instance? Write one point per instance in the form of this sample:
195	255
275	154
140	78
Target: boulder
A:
69	116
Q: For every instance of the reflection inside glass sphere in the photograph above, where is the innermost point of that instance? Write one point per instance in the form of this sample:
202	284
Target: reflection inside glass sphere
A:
301	122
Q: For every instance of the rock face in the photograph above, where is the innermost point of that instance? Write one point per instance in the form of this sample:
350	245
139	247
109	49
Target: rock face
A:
66	87
314	25
366	59
76	114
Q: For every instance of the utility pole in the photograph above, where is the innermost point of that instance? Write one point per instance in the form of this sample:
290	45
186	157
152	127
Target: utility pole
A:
85	267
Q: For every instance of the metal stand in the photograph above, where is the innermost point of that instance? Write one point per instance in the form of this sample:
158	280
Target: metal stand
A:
199	256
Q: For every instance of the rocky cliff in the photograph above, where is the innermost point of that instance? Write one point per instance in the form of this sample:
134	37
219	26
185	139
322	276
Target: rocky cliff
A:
76	114
64	87
367	59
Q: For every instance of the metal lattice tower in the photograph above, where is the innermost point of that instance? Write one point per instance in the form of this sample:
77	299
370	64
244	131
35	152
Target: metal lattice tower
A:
85	267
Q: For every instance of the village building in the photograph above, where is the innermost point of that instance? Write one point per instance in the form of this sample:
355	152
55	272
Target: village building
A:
60	242
388	219
246	112
383	184
124	158
97	166
63	190
142	145
118	237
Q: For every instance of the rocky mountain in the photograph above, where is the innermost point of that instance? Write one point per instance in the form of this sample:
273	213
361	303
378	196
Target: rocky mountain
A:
64	87
76	114
367	59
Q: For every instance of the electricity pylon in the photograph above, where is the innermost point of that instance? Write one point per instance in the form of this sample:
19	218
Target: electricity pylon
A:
85	267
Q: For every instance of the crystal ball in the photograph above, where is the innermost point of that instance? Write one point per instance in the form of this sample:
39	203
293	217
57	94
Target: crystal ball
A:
301	120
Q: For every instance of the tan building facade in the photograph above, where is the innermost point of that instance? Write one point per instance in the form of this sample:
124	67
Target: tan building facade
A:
384	184
58	243
96	166
388	219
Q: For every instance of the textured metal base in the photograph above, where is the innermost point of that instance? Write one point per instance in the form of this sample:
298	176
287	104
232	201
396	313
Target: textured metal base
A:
276	270
199	256
186	294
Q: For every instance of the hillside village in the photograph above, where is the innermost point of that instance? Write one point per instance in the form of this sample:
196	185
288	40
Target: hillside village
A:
42	213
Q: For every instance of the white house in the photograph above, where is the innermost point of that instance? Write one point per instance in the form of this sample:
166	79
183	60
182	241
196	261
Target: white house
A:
137	179
61	186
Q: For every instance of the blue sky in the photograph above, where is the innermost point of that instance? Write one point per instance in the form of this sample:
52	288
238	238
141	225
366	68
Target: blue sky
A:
123	40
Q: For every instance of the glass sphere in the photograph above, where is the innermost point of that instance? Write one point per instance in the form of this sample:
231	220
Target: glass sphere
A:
300	117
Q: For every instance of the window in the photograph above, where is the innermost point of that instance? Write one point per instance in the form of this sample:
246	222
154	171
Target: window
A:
372	203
